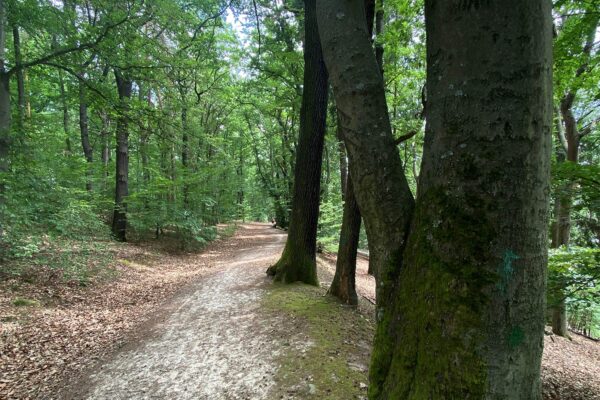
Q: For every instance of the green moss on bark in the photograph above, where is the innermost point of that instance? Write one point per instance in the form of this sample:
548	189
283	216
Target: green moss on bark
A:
295	266
428	337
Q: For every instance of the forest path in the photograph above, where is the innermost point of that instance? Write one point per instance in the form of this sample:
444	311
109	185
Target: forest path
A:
214	344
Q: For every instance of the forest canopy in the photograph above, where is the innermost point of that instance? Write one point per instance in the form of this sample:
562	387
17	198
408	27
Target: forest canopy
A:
146	120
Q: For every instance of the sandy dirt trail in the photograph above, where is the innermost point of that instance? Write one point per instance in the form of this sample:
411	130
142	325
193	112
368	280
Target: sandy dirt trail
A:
215	343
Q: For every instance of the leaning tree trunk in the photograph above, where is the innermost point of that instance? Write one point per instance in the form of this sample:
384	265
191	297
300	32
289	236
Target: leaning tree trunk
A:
119	224
343	285
464	301
298	261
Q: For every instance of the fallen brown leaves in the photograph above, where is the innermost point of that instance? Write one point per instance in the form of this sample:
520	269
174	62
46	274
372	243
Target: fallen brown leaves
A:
41	347
571	368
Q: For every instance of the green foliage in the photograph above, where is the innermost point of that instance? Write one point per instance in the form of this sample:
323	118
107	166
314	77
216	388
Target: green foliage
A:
574	276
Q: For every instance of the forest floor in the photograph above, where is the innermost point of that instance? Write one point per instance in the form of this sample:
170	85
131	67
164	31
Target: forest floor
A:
210	325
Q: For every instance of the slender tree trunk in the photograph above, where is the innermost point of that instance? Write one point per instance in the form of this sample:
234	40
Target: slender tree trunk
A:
88	152
119	225
298	261
65	112
185	155
460	306
105	148
20	81
5	117
343	285
559	318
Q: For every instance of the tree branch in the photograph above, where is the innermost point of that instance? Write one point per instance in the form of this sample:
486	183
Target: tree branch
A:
61	52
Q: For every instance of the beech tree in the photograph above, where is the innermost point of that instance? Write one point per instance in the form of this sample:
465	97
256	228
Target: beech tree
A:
462	274
298	261
343	284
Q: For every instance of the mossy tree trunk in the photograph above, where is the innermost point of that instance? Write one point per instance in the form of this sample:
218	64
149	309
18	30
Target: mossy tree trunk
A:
298	261
461	305
119	223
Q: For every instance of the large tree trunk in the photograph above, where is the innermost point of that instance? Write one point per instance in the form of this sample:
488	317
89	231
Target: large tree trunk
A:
119	224
88	152
464	302
298	261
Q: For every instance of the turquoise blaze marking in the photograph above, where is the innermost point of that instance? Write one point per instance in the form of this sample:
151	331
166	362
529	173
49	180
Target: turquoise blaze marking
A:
506	269
516	336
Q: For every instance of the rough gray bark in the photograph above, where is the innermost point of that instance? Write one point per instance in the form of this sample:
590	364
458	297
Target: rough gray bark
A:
360	99
119	223
298	261
343	285
464	300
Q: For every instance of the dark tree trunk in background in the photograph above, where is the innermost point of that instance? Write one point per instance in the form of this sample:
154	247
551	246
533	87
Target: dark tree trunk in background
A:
119	224
88	152
461	305
298	261
343	285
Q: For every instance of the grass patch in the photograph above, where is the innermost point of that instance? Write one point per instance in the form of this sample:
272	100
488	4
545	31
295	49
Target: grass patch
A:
60	260
333	364
227	231
22	302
